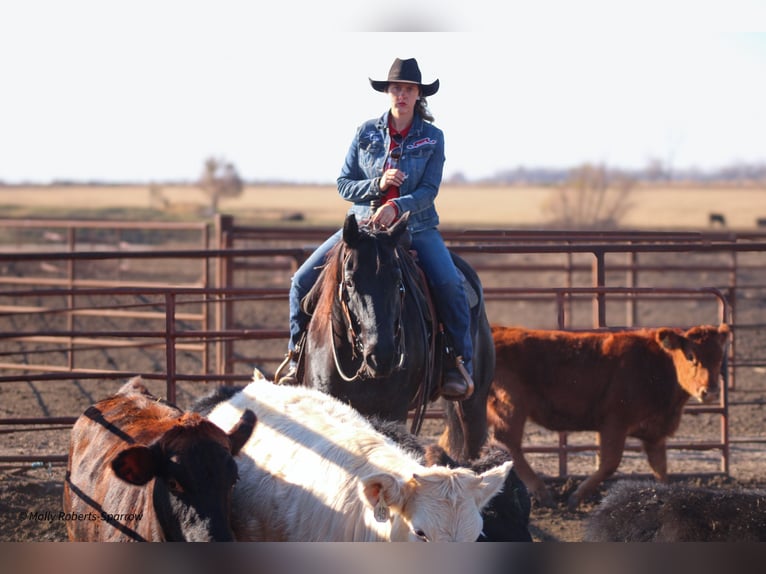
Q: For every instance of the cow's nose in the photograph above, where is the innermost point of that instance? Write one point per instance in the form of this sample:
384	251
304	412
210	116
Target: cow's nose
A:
708	395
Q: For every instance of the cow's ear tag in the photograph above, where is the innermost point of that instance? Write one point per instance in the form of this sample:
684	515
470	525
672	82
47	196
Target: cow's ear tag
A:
381	512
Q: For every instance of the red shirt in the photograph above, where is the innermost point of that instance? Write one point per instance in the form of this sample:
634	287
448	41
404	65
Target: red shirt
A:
392	191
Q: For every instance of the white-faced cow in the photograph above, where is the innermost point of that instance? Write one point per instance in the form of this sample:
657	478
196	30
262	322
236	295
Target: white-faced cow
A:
316	470
619	384
143	470
505	518
639	511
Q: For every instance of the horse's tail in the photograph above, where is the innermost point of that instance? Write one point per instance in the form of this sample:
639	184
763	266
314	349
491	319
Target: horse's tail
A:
466	423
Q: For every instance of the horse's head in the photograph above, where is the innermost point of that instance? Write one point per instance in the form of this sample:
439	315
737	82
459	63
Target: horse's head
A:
372	292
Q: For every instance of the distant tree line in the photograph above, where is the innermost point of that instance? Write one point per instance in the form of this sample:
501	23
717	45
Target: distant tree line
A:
654	172
220	178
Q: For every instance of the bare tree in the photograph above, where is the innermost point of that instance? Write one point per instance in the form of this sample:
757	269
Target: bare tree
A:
220	179
157	199
592	196
656	170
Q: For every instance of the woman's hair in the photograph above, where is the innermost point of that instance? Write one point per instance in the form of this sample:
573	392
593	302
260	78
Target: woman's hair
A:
421	107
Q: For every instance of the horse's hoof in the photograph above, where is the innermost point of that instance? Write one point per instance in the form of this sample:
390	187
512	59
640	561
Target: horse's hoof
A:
545	499
573	502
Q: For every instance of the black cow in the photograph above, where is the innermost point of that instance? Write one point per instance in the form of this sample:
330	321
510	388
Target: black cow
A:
644	511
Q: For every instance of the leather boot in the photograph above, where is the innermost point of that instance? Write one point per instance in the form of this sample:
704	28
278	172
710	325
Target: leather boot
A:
287	371
457	384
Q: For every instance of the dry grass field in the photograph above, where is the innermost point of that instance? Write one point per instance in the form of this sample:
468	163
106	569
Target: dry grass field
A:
657	207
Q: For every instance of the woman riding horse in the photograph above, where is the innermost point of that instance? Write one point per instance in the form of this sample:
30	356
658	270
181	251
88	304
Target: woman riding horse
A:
394	165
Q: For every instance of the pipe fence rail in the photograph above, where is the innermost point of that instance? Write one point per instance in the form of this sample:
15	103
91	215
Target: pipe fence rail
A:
198	312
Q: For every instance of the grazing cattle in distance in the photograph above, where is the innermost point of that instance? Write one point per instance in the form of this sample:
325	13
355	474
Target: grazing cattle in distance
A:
717	218
505	518
639	511
317	470
619	384
143	470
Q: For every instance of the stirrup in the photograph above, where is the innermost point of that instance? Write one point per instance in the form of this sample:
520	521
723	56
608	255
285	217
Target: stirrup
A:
457	390
283	370
466	376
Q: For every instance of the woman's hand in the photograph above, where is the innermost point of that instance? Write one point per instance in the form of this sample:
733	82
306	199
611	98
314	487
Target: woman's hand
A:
391	177
384	216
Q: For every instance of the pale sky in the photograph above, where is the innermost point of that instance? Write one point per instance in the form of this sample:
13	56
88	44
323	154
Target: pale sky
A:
146	90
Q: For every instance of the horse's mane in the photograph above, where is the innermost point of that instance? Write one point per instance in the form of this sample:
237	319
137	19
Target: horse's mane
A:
327	284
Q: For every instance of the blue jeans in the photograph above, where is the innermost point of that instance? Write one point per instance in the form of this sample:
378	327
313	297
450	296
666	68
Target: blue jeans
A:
446	285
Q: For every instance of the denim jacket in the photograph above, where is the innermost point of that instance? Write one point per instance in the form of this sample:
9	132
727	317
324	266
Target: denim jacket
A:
422	161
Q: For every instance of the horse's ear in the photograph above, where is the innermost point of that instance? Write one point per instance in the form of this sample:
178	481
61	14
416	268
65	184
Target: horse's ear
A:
351	231
400	227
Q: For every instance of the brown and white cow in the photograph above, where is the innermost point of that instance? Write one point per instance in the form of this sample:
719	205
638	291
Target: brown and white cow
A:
619	384
316	470
143	470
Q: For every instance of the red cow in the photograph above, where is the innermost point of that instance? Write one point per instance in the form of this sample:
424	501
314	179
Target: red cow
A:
619	384
143	470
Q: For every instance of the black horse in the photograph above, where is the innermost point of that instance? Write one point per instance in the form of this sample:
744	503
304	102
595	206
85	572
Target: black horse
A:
374	341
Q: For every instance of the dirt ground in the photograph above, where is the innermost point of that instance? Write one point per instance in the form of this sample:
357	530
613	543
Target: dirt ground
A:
30	493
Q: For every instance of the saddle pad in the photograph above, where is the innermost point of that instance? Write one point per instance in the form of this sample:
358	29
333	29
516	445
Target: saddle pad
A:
470	292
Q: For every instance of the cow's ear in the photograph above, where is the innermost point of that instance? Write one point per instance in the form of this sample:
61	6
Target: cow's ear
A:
383	489
669	339
242	431
492	482
136	465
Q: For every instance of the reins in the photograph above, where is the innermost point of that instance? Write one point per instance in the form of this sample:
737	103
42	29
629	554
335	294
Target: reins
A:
420	400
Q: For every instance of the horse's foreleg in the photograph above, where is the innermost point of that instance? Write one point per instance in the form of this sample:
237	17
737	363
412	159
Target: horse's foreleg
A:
452	438
465	431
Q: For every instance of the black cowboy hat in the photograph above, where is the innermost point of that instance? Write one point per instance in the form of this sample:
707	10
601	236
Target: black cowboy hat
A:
406	72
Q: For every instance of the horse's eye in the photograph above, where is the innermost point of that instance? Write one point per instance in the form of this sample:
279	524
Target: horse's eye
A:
421	535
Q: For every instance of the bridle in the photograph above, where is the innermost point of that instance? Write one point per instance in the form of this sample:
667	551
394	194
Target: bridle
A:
355	338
